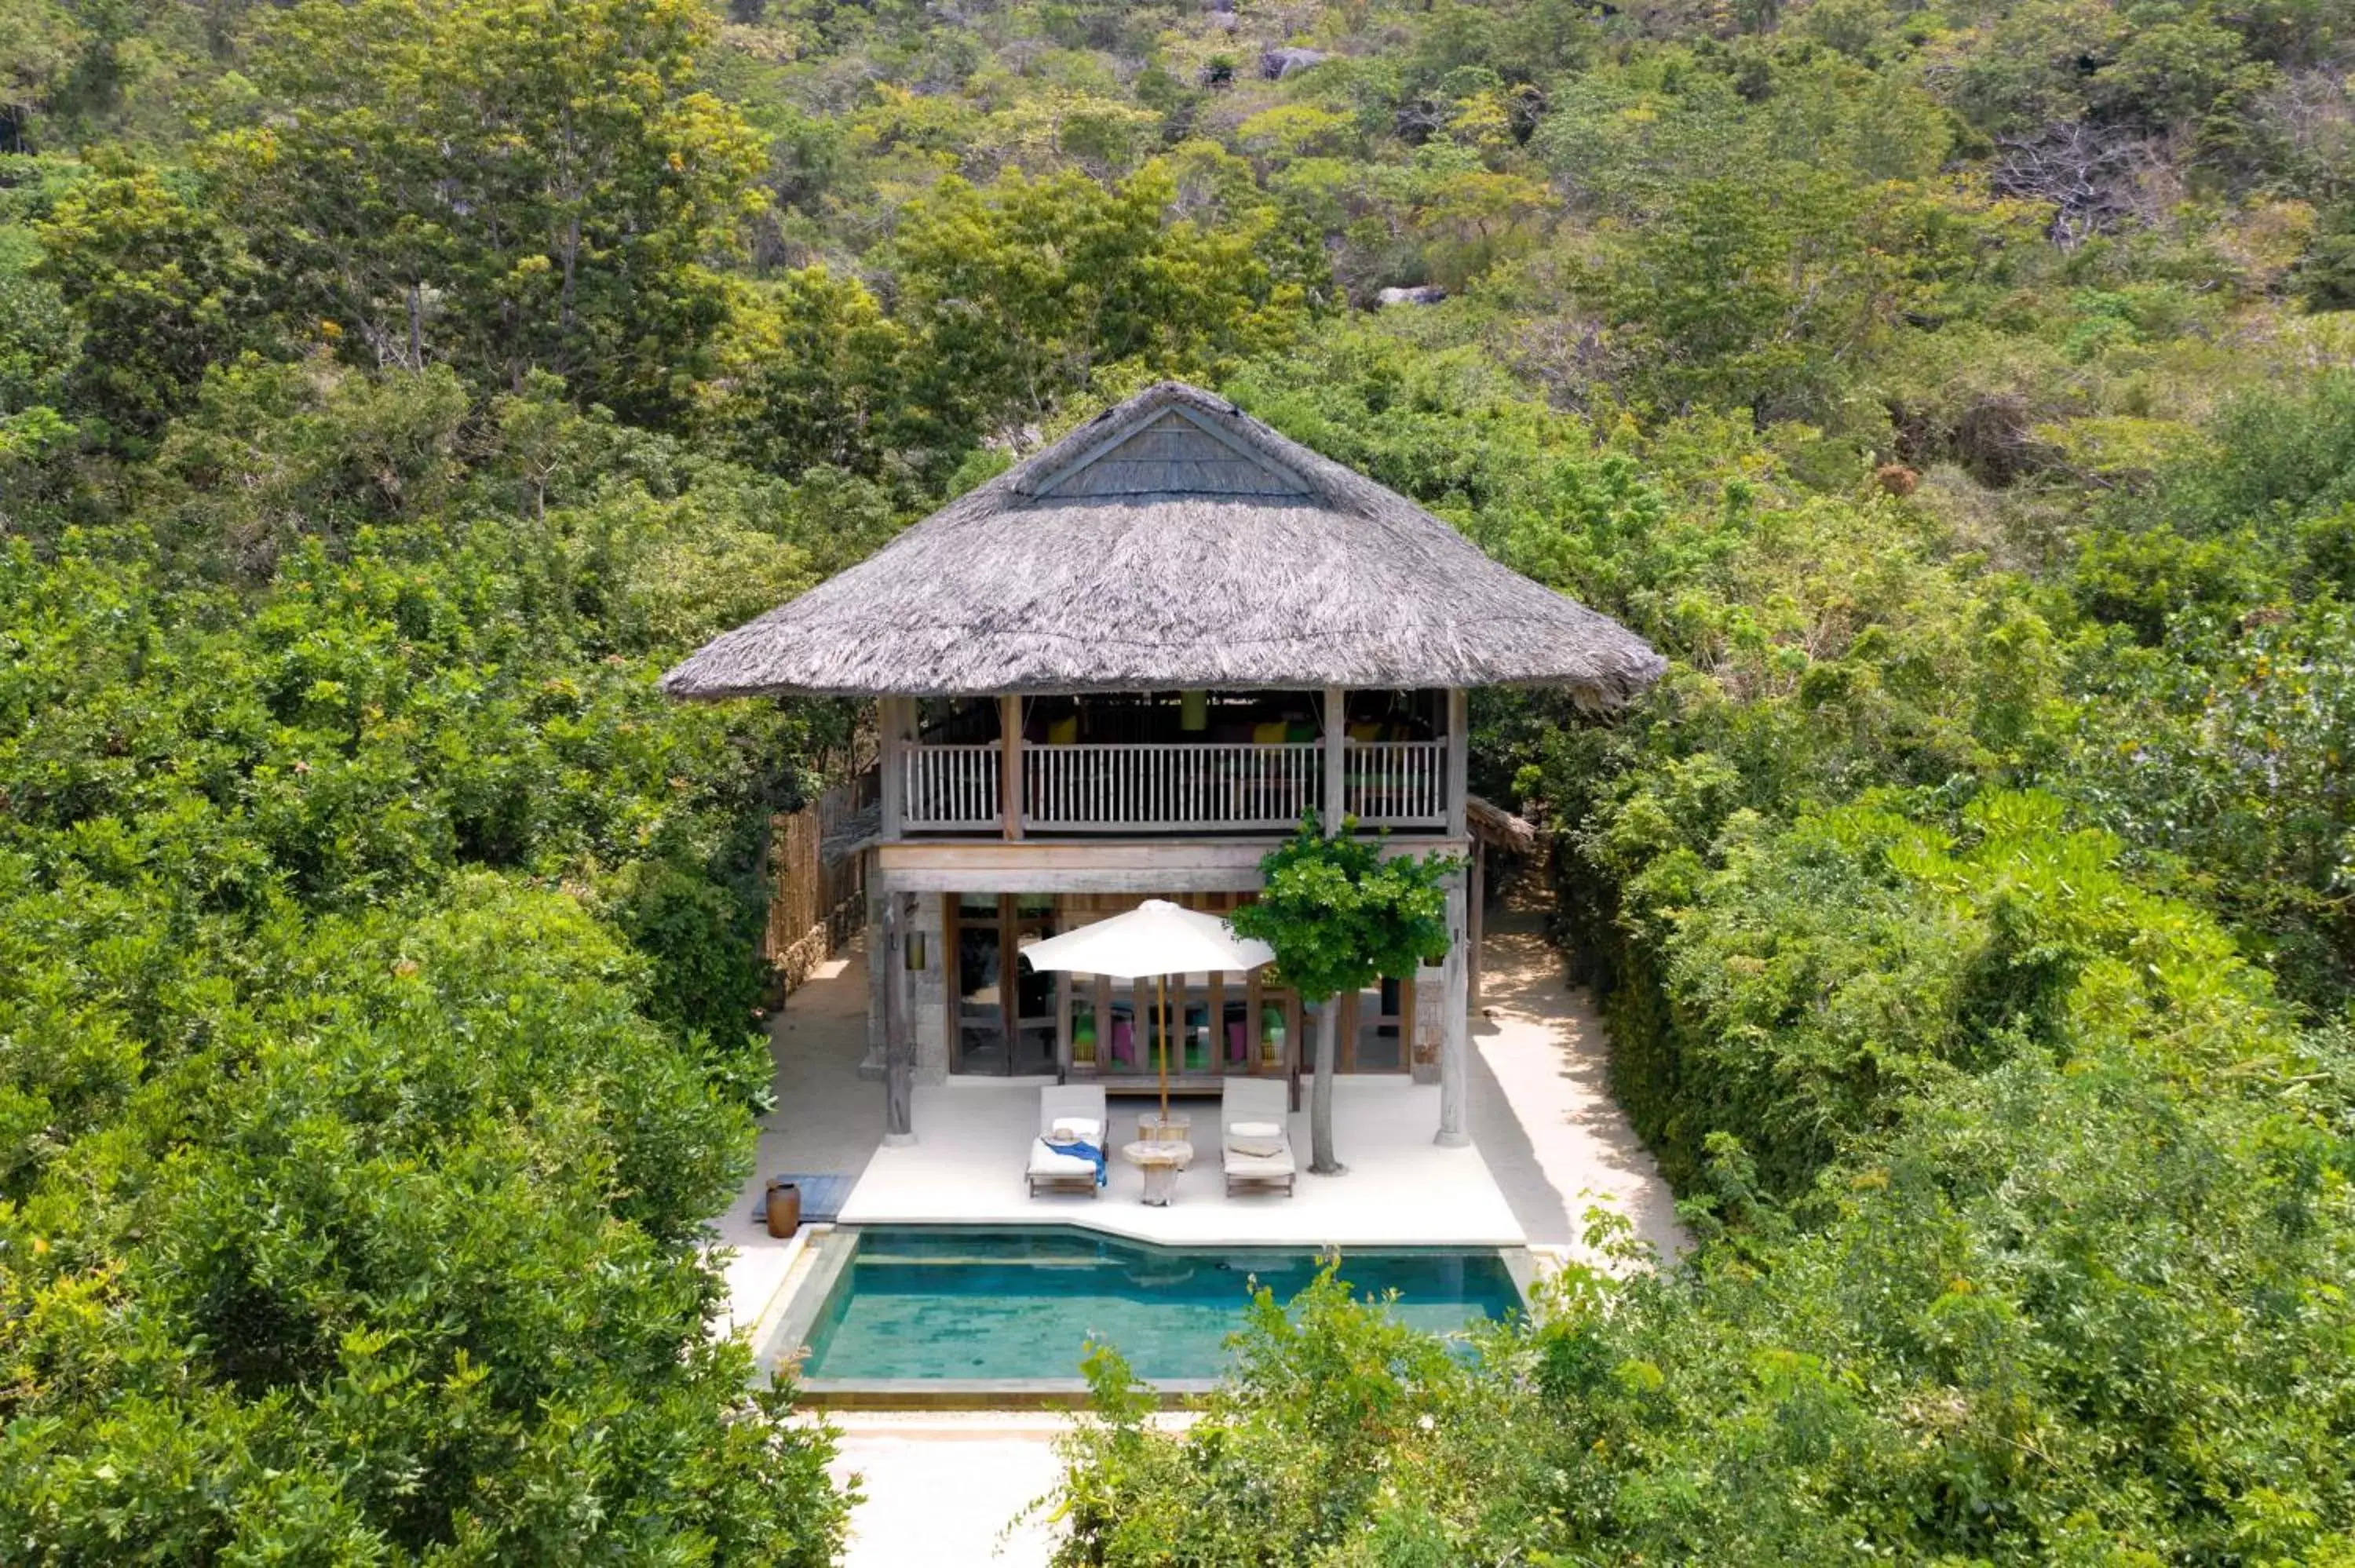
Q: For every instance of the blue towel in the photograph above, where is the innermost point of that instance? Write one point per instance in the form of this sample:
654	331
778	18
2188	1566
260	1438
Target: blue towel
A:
1084	1151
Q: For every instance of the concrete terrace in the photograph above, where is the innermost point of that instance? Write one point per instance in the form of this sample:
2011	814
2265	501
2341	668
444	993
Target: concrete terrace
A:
828	1121
1400	1189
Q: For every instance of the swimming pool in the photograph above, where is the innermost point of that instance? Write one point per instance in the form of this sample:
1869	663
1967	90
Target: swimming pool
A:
941	1305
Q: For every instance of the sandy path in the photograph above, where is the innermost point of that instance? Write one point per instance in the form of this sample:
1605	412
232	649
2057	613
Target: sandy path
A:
946	1490
1541	1108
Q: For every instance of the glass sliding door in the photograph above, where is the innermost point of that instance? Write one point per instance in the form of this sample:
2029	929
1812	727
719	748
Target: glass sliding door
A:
977	1013
1377	1028
1002	1019
1029	917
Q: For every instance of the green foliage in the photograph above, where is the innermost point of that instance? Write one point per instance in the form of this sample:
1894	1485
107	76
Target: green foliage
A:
421	1283
161	288
1301	1455
810	377
379	986
2277	452
1752	294
1027	292
36	344
497	187
1978	1344
1340	914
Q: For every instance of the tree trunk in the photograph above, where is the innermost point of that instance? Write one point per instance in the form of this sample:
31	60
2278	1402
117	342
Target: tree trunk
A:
1320	1095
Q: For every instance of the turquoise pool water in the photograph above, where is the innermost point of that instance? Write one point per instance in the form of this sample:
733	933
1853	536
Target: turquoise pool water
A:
937	1303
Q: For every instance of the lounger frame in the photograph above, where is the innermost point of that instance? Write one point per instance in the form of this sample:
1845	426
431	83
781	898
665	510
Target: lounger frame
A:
1056	1102
1256	1099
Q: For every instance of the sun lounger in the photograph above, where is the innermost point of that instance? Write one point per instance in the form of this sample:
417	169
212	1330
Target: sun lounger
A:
1254	1146
1056	1168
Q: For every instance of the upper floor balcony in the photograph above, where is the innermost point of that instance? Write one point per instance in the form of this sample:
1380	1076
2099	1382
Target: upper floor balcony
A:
1200	764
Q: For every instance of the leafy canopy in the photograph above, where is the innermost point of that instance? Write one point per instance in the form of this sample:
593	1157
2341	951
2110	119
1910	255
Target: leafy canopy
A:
1341	914
500	184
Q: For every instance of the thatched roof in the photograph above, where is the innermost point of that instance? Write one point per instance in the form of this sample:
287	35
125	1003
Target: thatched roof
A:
1173	542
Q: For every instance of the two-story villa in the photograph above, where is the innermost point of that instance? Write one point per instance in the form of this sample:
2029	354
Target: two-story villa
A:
1122	670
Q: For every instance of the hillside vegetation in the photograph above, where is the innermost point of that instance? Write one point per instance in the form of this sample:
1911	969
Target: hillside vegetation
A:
1957	394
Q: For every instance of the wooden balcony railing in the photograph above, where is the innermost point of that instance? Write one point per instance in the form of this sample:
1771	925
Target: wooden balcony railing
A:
1169	789
1395	783
950	788
1172	789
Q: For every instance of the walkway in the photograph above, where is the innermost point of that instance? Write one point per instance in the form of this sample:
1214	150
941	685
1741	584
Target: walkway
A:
946	1490
828	1122
1542	1113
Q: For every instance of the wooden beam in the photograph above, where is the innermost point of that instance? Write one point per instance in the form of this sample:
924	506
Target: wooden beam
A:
878	976
1336	733
1097	865
1009	763
1455	1030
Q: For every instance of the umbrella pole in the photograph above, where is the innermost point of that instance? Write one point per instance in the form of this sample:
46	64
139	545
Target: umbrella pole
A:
1161	1005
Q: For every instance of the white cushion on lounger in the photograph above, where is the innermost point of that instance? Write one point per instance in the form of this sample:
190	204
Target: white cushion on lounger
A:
1046	1161
1263	1139
1258	1167
1076	1130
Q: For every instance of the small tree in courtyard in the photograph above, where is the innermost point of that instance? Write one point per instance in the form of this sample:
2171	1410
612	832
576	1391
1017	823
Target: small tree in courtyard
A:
1340	918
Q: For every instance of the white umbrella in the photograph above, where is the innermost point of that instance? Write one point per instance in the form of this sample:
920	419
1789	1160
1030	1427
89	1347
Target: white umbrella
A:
1154	938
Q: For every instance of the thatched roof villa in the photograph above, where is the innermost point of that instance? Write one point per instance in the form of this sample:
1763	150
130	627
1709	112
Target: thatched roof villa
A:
1117	671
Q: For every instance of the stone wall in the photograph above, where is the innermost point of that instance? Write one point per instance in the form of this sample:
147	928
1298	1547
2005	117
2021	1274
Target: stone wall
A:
928	990
1429	999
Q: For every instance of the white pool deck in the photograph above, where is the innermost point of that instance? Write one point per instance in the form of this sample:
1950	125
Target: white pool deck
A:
1399	1189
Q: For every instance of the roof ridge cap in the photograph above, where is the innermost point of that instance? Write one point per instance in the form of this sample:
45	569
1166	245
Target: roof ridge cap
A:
1046	472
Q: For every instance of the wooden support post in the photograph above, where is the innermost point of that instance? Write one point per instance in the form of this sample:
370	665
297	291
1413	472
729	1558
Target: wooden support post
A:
1459	760
894	727
1476	921
899	1037
1336	735
878	978
1009	763
1455	1000
1455	1030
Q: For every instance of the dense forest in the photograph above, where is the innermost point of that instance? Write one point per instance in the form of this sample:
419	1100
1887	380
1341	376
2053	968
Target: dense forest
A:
1962	394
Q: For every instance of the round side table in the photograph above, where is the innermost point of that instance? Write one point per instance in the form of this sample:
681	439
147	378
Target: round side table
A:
1160	1162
